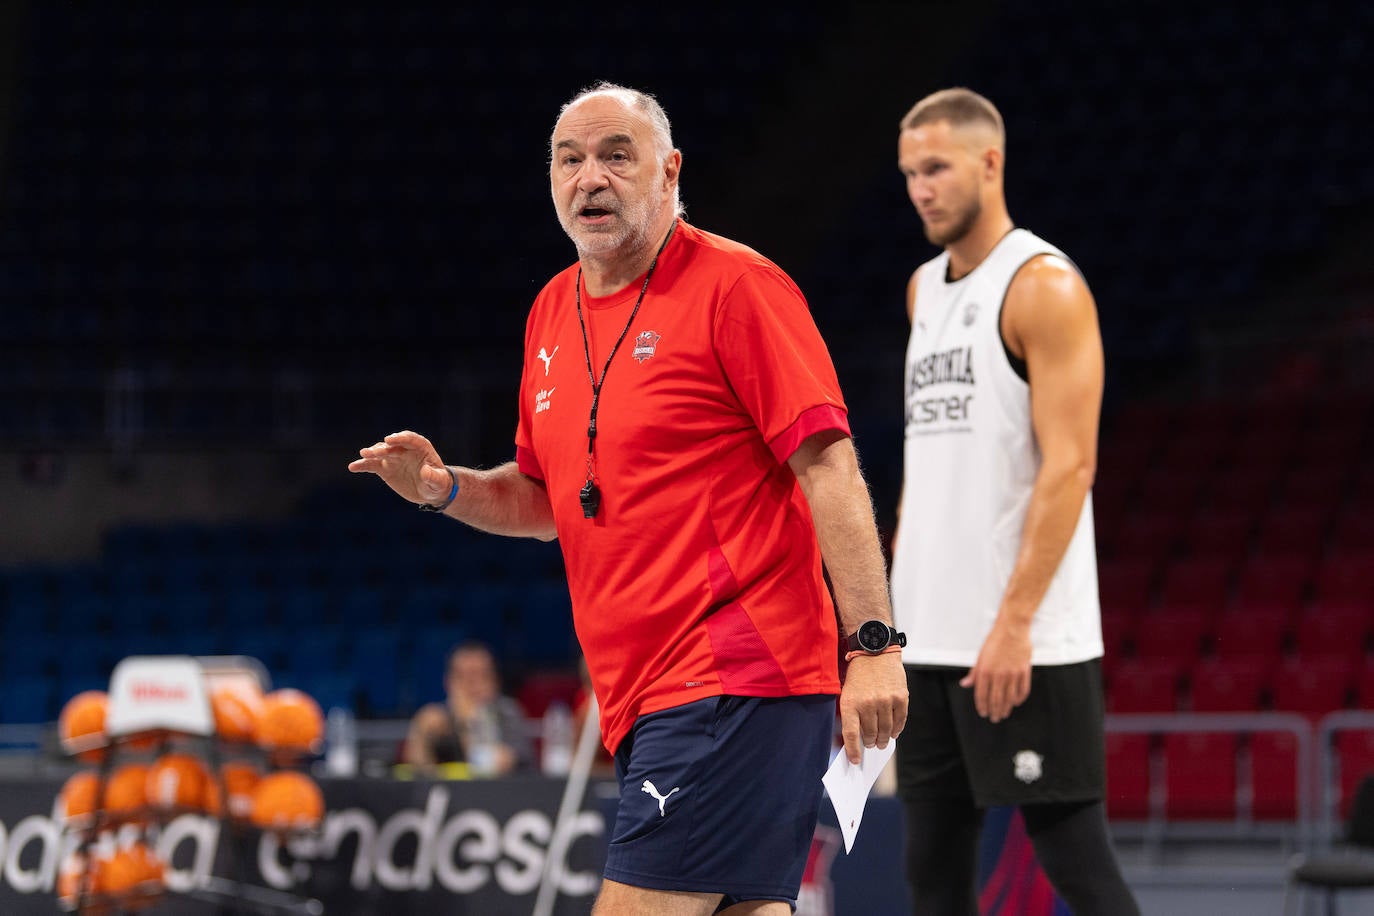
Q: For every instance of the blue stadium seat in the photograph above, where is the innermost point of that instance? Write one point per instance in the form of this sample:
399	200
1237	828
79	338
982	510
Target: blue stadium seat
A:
376	664
26	700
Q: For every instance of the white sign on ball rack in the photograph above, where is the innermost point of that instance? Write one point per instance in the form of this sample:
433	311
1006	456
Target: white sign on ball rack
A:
152	692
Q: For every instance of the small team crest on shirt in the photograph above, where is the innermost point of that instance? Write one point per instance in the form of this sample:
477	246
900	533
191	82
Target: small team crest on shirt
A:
1028	766
646	344
970	313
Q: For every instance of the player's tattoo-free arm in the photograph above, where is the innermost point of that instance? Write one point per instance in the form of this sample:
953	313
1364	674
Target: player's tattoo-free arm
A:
1050	321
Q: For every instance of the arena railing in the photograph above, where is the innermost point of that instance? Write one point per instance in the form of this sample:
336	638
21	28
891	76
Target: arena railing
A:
1158	827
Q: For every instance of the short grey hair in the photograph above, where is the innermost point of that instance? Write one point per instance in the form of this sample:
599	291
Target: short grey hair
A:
645	104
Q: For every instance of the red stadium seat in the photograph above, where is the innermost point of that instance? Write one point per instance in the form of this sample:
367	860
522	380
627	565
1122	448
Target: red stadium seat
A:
1118	629
1274	775
1126	584
1151	534
1333	628
1200	775
1245	631
1141	685
1172	634
1274	580
1229	684
1128	776
1200	582
1314	685
1344	575
1220	534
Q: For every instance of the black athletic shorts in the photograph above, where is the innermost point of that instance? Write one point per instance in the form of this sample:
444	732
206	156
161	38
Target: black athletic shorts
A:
1050	749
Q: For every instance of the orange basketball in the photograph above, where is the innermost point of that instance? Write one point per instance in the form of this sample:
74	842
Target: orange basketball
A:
70	876
81	724
126	791
287	800
76	801
129	868
290	720
70	879
236	713
178	780
239	780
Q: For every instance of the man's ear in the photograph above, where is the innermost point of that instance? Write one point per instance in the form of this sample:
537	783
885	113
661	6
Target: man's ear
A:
992	163
672	167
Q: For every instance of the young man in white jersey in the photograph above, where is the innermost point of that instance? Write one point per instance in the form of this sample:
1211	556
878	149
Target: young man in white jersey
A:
994	575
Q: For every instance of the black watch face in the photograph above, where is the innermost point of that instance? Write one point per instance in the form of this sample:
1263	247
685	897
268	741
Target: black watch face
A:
874	636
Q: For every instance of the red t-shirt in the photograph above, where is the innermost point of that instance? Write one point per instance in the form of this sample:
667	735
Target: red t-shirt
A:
700	575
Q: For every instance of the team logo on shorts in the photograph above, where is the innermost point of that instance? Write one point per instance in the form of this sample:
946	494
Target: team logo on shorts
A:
645	345
1027	766
970	313
652	790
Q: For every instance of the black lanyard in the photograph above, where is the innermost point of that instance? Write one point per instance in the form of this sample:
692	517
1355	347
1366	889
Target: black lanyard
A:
590	494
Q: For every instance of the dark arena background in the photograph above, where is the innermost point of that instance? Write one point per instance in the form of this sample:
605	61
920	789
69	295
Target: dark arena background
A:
240	241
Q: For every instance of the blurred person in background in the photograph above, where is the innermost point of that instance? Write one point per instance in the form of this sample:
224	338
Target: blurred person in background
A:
476	725
994	573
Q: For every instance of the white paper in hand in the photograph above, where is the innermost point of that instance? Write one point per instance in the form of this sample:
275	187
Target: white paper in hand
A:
848	786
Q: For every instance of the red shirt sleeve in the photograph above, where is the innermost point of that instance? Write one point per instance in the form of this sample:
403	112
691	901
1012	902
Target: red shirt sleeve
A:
528	464
816	420
777	362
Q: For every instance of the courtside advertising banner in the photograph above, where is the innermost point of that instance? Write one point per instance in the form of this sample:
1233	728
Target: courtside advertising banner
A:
385	847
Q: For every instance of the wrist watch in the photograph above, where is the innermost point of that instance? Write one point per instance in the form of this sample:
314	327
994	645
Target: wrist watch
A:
873	637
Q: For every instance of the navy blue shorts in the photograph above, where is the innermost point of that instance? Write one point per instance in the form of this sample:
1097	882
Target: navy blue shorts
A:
721	796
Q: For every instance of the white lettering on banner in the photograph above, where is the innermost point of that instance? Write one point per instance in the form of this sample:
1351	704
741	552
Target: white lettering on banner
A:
425	827
203	834
582	883
527	825
30	881
486	847
270	865
337	827
462	854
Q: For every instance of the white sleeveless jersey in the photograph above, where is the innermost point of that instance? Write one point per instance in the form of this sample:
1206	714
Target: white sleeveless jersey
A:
970	462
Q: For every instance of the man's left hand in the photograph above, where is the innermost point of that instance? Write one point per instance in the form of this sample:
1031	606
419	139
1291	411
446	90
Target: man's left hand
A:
872	703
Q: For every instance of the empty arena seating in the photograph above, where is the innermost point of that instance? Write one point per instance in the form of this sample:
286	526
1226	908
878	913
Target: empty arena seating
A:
1253	593
1200	775
1128	776
362	621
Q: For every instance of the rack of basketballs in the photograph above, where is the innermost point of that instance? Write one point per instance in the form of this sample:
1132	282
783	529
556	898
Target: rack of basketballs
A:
250	774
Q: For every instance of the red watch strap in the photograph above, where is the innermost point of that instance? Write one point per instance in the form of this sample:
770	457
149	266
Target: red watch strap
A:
849	656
